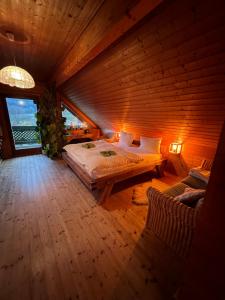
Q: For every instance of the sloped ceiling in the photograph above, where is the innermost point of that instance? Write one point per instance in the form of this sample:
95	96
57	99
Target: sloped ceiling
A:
165	78
55	38
50	27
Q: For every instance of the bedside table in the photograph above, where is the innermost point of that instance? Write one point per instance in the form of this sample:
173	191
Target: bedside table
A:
161	168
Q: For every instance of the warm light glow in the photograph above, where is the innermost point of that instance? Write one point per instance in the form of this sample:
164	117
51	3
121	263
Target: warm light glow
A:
117	135
175	148
85	125
16	76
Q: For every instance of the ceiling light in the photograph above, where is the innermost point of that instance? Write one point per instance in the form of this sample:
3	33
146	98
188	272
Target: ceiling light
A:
16	76
13	75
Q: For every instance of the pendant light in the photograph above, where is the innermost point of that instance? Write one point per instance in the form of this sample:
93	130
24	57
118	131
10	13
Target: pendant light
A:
16	76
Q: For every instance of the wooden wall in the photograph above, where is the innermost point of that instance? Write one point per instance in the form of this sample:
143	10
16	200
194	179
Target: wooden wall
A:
164	78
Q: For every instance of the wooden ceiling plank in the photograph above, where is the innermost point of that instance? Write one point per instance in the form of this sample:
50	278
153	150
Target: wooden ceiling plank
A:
77	28
111	22
52	26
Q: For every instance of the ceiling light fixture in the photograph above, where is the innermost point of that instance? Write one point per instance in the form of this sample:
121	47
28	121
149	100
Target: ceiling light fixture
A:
16	76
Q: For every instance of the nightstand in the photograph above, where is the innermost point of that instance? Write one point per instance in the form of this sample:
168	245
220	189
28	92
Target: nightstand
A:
161	168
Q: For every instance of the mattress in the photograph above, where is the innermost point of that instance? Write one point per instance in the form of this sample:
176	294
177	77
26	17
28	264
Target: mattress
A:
97	166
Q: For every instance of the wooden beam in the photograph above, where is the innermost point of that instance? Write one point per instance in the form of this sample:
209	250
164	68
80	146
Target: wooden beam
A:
77	111
112	20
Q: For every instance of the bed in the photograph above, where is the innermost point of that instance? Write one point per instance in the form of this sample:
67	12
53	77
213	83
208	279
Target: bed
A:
100	164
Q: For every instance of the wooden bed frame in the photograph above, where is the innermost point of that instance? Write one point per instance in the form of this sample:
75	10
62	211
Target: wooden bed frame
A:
102	187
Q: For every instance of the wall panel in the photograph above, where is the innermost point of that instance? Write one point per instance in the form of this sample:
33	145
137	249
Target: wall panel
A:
164	78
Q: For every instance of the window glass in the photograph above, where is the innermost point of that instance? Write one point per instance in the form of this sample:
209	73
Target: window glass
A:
22	115
71	119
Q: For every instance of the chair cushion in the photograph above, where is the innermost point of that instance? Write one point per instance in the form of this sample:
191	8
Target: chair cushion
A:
194	182
176	189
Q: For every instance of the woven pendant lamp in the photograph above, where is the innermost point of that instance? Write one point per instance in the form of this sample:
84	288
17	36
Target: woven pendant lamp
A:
13	75
16	76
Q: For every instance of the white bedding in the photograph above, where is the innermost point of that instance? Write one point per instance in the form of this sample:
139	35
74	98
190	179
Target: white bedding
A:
98	166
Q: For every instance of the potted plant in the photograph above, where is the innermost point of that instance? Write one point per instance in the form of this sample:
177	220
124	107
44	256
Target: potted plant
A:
50	123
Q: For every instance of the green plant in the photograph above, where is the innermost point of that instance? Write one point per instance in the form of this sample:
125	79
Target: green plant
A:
50	123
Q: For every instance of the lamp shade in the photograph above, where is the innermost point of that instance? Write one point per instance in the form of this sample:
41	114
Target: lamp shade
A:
16	76
175	148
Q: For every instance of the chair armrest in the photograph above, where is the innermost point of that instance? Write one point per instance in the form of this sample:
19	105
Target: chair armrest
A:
207	164
171	221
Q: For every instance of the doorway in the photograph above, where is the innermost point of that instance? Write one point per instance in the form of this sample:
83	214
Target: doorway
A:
22	117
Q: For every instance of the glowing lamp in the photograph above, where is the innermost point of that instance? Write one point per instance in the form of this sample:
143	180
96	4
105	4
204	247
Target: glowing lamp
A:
117	135
15	76
175	148
85	125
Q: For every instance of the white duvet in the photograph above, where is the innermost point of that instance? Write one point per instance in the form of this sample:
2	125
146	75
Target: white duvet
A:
97	165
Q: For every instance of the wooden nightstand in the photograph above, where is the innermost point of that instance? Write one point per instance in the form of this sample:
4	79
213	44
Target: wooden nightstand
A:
176	165
161	168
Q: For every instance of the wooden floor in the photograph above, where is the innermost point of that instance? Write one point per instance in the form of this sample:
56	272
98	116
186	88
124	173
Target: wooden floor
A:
56	243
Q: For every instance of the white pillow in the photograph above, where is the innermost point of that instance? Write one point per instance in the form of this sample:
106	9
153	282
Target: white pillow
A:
150	145
126	139
190	195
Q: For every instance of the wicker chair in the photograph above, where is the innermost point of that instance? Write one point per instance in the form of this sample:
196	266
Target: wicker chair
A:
170	220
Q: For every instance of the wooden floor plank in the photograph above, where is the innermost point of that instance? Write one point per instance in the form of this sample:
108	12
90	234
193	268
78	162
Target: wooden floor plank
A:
57	243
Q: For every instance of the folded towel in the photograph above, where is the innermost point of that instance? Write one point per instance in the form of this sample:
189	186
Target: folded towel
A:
107	153
88	146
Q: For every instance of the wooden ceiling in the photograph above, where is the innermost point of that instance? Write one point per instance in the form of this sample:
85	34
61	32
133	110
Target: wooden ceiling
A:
52	26
64	35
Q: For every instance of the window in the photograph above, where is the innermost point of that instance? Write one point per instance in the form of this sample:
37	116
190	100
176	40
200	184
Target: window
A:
71	119
22	115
